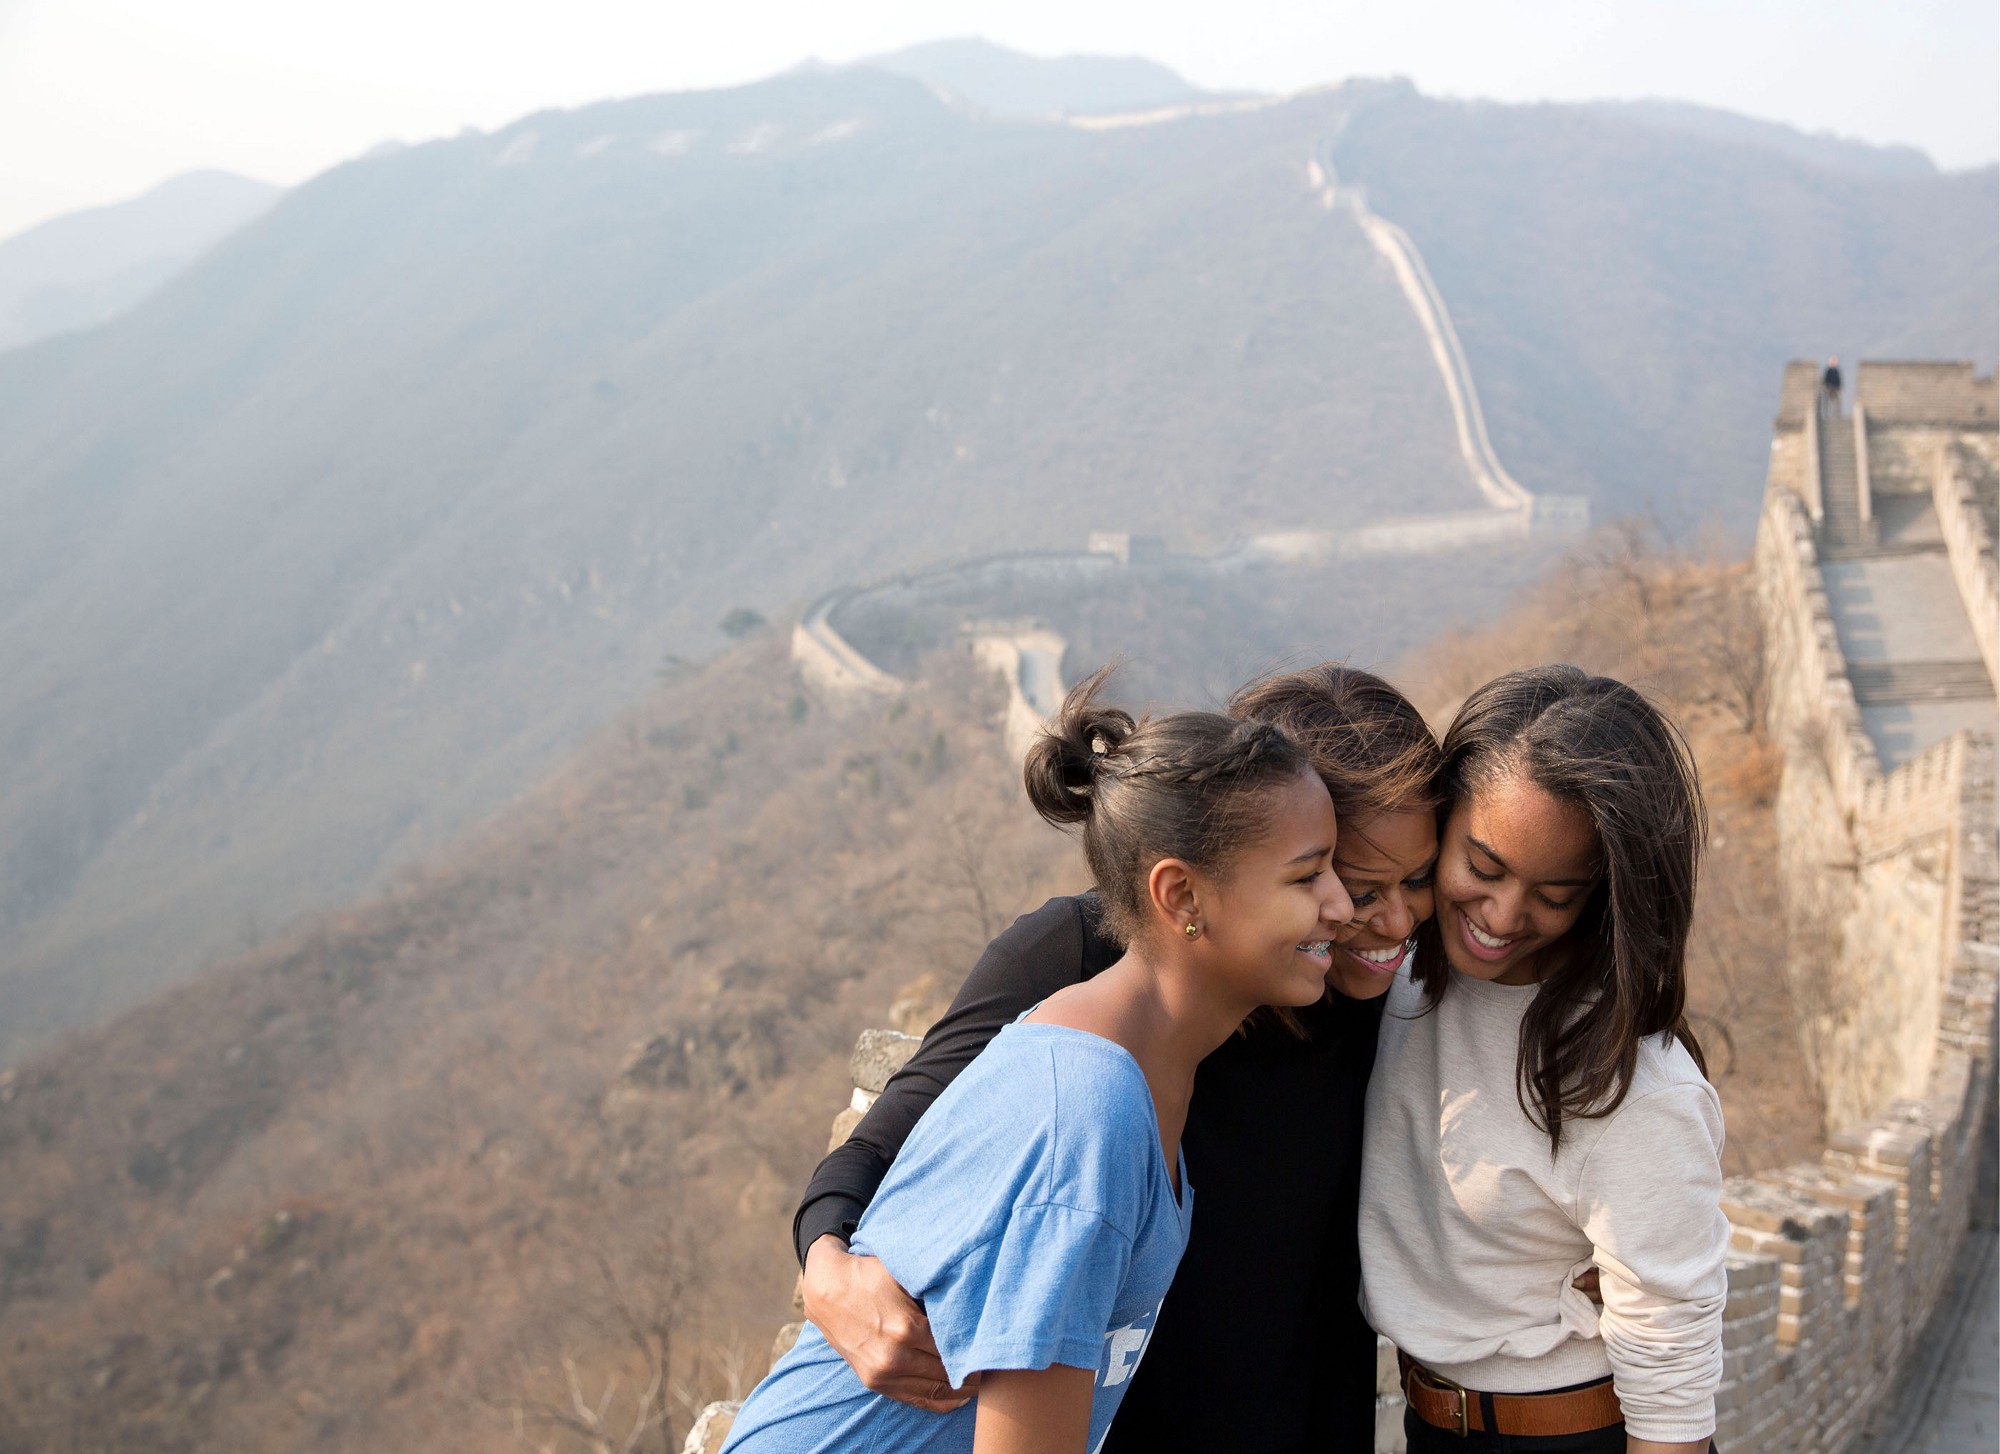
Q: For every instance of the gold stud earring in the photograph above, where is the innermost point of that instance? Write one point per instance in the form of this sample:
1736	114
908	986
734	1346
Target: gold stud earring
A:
1193	931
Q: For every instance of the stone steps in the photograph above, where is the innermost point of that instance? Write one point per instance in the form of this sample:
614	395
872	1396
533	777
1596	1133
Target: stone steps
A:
1840	485
1879	682
1832	550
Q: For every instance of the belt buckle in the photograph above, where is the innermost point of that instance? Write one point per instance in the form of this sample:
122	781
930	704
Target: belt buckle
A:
1438	1380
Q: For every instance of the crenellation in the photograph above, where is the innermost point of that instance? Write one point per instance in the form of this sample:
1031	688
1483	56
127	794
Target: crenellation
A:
1869	1200
1963	474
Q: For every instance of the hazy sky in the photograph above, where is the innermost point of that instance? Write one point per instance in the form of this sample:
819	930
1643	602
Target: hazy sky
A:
100	99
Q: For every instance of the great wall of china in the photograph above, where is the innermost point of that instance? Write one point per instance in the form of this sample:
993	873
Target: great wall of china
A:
830	662
1875	570
1876	579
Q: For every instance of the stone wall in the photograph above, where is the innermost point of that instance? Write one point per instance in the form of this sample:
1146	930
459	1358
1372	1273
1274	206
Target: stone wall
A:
1956	483
1546	517
1812	712
1891	885
1904	392
1905	459
1840	1262
829	663
1874	864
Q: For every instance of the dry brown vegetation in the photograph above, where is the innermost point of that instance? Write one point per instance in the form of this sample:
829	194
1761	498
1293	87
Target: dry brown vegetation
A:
506	1159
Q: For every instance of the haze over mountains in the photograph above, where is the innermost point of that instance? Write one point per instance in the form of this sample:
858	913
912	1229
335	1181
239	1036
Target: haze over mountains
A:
340	539
78	270
1002	82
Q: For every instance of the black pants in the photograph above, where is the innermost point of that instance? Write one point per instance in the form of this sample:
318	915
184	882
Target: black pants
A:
1423	1439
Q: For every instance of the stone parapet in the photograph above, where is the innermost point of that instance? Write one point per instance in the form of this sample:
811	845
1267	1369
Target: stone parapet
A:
1894	811
1969	545
1812	707
1837	1265
1890	880
1798	397
1905	392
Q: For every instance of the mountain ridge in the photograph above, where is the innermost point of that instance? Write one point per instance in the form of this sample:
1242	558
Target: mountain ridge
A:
326	549
1825	149
1006	82
79	269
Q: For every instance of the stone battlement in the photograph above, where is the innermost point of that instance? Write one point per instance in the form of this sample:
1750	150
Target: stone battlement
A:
1902	392
1896	392
1888	865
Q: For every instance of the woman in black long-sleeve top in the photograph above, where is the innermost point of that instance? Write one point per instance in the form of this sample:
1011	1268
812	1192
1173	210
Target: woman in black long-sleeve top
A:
1261	1347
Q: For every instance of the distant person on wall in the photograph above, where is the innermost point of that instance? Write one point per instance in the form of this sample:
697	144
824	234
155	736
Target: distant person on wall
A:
1261	1347
1040	1209
1829	387
1539	1106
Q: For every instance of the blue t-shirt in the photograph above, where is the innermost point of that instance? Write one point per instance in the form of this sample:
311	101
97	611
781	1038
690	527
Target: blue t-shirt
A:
1031	1214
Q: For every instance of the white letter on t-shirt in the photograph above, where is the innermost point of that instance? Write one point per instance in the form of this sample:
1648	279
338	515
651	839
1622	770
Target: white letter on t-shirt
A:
1127	1344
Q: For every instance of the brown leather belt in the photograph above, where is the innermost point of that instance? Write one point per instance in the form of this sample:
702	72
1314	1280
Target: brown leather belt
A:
1444	1405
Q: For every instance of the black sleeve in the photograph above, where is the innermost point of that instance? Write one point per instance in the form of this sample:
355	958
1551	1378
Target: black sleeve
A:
1055	946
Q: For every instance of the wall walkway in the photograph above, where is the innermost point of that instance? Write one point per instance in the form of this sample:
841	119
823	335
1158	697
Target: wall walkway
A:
1897	537
1886	824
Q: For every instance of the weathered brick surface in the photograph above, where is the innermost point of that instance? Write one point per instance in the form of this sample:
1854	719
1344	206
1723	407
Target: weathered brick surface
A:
879	1054
1926	393
1900	1026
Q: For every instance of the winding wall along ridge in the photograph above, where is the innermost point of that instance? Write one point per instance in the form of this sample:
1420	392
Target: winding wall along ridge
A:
834	665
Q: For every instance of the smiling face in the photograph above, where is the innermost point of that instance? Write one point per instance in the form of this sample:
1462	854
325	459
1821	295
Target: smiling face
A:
1268	922
1387	864
1515	869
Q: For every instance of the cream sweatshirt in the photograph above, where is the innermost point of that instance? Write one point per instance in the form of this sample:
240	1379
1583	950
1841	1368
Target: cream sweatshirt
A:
1471	1232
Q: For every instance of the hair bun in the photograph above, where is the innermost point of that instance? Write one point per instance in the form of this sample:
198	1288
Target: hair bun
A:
1188	786
1073	750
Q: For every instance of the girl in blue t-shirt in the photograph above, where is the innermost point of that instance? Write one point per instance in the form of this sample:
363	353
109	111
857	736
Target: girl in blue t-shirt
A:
1040	1207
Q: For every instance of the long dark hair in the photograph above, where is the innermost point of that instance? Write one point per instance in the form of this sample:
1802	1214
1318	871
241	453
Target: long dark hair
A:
1597	744
1190	786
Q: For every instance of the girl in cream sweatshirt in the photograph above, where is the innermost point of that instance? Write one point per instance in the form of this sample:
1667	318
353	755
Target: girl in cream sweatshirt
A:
1538	1107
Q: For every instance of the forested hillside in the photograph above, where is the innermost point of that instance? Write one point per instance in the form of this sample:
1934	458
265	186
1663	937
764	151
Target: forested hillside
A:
359	525
369	1187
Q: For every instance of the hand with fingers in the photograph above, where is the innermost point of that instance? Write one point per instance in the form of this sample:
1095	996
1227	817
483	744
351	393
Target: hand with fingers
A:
878	1328
1589	1283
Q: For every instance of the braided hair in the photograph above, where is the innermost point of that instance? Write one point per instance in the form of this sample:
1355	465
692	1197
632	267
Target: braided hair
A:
1190	786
